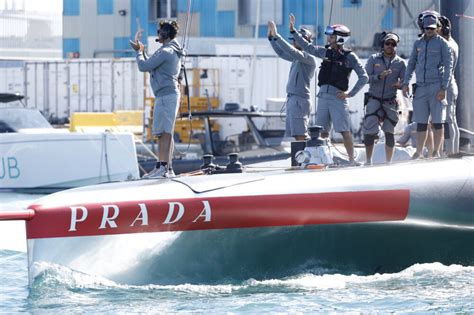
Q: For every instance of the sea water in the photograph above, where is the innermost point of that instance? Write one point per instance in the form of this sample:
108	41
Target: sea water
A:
432	287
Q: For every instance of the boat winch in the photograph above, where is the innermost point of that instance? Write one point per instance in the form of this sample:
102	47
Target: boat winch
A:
316	151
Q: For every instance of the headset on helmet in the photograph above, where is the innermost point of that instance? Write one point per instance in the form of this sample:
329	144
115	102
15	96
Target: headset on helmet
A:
342	33
424	14
445	26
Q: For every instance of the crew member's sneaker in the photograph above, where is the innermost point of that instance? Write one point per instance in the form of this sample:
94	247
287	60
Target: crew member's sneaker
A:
354	163
171	173
416	156
157	172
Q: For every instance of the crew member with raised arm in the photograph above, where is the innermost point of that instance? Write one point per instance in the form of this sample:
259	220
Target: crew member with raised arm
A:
386	72
432	62
303	65
333	80
164	67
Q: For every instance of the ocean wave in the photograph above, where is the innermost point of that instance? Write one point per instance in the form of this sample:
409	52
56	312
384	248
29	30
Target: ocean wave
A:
429	287
57	276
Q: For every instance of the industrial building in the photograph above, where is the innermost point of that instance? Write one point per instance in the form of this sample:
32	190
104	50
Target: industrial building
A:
102	28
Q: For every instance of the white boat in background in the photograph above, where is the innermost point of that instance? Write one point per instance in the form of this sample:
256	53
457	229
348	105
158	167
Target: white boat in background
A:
35	157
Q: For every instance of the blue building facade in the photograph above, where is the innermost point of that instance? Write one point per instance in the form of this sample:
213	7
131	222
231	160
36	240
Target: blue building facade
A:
102	28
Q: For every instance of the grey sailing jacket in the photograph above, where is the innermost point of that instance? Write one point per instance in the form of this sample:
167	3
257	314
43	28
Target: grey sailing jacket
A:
455	52
375	65
431	60
302	68
164	67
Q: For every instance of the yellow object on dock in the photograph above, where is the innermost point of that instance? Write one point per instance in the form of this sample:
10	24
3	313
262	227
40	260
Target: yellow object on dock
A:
131	121
199	103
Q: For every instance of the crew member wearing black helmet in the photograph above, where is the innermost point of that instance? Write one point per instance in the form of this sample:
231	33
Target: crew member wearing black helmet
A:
164	67
432	61
386	71
451	134
303	65
333	81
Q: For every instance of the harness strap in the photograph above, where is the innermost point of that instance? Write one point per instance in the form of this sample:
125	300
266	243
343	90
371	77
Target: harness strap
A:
381	101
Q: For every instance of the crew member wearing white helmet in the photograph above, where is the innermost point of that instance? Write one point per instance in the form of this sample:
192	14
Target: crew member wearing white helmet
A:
386	71
451	132
432	62
333	81
303	65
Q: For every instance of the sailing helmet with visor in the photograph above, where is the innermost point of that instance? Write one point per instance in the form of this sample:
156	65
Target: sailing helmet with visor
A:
428	13
341	31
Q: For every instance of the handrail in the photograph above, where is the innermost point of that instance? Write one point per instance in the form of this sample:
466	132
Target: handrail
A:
25	215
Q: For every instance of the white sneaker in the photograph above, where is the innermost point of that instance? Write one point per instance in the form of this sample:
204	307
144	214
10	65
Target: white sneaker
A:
161	172
171	173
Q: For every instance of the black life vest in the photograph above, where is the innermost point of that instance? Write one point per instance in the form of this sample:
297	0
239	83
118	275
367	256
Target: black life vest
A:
333	70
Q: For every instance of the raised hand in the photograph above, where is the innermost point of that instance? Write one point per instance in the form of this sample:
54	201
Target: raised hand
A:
292	22
136	44
272	29
269	32
138	34
141	46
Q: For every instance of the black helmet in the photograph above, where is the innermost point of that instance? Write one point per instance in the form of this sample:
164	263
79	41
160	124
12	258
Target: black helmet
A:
445	26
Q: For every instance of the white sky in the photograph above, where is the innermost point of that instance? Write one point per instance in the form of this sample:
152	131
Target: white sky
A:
45	6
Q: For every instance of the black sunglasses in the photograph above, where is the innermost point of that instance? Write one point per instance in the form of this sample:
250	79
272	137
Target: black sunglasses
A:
430	28
391	44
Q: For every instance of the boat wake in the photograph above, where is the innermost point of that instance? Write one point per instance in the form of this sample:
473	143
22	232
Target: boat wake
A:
426	287
53	275
236	255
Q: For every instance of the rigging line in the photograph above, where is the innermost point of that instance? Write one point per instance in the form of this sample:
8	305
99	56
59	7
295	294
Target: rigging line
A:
184	45
330	12
183	39
188	27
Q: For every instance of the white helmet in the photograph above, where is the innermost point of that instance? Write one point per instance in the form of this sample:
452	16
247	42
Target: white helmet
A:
342	32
